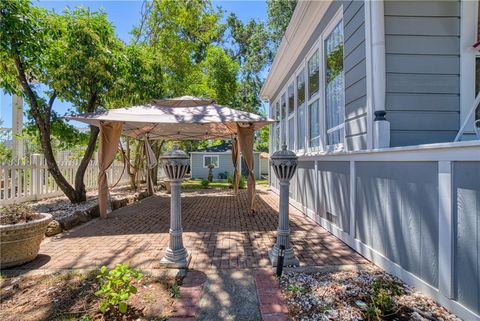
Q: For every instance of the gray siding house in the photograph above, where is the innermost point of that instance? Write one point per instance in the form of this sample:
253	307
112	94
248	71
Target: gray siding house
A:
221	157
378	100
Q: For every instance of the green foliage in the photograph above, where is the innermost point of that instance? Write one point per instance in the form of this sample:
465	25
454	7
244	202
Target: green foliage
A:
205	182
279	14
383	299
295	288
242	182
116	286
262	139
174	290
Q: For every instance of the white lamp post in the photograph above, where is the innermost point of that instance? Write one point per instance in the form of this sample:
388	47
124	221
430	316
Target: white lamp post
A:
284	164
175	164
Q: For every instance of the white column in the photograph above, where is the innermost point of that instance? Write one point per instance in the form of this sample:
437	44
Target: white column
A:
175	164
284	164
445	229
17	126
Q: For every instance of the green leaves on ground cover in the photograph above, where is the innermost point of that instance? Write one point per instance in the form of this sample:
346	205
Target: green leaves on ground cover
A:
116	287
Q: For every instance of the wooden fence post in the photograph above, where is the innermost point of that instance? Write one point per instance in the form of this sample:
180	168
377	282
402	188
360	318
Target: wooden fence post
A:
36	175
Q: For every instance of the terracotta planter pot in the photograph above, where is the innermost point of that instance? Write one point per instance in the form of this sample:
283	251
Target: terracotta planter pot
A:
19	243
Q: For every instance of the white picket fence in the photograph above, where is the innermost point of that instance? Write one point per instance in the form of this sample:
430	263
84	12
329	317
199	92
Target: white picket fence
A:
28	180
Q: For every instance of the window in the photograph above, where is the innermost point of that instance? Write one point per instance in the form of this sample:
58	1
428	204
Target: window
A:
213	159
334	86
313	75
301	109
283	113
314	126
291	100
291	116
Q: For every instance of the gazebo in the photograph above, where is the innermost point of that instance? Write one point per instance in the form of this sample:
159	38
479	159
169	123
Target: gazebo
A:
184	118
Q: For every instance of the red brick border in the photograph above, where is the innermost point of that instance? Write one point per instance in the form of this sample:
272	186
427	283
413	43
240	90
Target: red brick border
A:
270	298
186	307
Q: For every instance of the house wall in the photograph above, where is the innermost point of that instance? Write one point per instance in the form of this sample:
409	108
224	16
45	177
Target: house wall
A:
413	211
354	68
422	44
225	165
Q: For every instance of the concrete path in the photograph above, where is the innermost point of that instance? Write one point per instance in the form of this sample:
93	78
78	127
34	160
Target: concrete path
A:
229	295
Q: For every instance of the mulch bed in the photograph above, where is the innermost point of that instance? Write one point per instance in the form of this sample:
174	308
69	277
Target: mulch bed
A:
71	296
348	295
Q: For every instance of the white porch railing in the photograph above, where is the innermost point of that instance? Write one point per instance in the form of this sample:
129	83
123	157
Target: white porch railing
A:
30	179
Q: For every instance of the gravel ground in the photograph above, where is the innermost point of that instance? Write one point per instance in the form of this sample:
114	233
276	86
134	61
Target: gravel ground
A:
60	206
353	295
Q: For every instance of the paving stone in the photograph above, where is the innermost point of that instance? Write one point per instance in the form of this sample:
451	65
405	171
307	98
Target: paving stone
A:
218	229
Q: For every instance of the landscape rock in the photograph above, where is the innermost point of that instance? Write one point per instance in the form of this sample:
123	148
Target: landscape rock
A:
83	216
119	203
69	222
53	228
94	211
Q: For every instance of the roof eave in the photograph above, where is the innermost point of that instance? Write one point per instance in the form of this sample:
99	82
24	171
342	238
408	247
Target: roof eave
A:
304	20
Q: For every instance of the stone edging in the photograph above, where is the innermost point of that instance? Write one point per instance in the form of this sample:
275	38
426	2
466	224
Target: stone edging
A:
79	217
270	297
186	307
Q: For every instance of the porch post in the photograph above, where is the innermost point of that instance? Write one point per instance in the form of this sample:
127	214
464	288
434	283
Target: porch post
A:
175	164
284	164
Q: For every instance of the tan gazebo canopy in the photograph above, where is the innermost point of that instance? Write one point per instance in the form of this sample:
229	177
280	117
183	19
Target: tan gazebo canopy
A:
182	118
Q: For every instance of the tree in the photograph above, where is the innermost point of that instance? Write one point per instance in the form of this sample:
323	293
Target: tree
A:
279	14
75	55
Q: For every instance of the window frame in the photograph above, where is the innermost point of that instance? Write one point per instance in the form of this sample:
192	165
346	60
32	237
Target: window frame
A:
211	156
301	69
309	100
332	24
292	115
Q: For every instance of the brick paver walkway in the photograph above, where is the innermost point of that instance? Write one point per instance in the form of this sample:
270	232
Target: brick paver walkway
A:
218	231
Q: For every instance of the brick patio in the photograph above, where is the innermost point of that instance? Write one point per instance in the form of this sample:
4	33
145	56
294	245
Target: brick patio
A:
218	231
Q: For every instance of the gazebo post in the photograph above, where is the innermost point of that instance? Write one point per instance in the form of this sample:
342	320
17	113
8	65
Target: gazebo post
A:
175	164
284	164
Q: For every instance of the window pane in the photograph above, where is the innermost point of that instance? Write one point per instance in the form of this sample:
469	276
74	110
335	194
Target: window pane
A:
314	128
291	100
313	75
301	110
283	107
291	132
301	88
477	74
301	126
277	111
334	86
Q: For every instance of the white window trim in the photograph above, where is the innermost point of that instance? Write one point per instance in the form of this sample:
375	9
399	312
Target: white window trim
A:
299	70
468	36
326	32
291	82
317	96
218	160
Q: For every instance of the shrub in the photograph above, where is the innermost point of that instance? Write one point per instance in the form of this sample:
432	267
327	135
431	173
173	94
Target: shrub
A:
17	213
383	300
242	183
116	286
205	182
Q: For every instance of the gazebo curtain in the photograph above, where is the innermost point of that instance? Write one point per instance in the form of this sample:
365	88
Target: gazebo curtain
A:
235	155
245	140
109	138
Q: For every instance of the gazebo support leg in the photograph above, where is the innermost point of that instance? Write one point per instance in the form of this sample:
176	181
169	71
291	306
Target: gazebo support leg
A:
283	231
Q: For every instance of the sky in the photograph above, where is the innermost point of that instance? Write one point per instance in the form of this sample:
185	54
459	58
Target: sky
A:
124	15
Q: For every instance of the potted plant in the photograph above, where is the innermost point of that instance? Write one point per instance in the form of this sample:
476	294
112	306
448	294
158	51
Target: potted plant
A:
21	232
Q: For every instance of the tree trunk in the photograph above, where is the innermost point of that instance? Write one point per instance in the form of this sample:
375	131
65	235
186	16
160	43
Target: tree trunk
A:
42	117
157	150
81	192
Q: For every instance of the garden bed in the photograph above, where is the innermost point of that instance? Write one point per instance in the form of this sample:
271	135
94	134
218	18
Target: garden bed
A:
368	294
71	296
